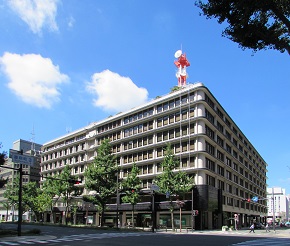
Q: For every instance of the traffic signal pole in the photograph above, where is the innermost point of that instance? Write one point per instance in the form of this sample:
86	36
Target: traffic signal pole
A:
20	202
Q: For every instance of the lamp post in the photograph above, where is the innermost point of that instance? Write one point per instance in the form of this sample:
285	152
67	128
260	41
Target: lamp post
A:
117	201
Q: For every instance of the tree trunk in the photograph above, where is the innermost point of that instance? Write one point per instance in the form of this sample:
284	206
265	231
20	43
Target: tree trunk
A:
172	221
6	214
133	216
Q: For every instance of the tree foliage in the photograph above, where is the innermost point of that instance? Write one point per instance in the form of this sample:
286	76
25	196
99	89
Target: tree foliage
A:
32	198
12	191
252	24
100	178
65	188
131	186
3	156
174	183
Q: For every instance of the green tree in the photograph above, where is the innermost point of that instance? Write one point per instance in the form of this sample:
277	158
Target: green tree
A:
30	197
100	178
255	25
51	191
66	189
12	190
3	156
131	186
174	183
6	204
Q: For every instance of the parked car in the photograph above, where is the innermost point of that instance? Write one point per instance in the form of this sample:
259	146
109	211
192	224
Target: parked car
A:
287	224
259	226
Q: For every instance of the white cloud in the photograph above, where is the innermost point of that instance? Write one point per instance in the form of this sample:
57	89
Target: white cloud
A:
36	13
33	78
114	92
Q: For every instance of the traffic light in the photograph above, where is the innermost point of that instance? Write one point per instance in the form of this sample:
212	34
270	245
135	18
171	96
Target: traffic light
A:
246	200
133	190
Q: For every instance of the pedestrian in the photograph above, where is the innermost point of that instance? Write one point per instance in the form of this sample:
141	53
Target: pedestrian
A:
267	227
252	228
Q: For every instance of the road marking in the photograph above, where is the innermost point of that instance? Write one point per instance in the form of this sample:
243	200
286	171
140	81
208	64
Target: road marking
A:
265	242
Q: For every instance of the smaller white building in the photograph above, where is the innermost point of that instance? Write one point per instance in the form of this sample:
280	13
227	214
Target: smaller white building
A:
278	204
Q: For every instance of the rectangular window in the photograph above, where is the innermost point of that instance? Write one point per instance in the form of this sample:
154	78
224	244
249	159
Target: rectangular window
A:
159	108
184	130
209	148
210	180
159	152
210	164
209	132
220	141
159	122
209	116
220	156
184	114
171	118
221	170
159	137
150	139
177	117
228	175
209	101
191	112
165	135
171	134
184	146
184	162
228	148
165	106
165	120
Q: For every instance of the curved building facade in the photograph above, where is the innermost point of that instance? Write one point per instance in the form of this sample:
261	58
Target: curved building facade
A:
226	167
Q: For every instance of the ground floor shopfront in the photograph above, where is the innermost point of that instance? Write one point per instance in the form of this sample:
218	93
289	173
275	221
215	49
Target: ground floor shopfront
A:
207	200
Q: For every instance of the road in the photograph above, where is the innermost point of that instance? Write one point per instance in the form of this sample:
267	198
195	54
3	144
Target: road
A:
66	236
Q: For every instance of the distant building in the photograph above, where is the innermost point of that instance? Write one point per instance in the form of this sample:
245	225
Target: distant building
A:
31	172
226	167
278	204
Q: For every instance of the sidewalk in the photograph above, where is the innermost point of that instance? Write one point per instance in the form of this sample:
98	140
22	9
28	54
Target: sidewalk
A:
279	232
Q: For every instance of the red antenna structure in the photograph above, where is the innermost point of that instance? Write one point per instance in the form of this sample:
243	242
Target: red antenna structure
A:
181	63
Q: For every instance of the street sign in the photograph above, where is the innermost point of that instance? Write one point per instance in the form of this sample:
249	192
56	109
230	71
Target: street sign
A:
154	187
22	159
167	194
255	199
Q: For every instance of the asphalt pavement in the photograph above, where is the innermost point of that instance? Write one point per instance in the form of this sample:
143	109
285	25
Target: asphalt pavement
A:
278	233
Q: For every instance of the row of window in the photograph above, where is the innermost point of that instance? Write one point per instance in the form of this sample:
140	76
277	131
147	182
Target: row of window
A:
212	151
138	116
220	127
210	180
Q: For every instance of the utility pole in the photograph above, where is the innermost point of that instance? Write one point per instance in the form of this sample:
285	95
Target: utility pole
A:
20	201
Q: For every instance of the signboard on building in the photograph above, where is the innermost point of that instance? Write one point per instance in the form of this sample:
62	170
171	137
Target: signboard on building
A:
22	159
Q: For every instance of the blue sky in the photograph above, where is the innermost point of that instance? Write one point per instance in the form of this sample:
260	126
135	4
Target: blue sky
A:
64	64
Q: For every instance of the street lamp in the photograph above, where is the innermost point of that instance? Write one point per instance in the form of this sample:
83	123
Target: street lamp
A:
117	200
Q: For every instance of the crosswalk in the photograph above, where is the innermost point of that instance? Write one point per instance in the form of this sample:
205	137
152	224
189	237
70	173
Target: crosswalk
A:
71	238
265	242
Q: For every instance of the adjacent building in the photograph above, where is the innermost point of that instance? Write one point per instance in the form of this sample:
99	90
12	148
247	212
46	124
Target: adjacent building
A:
31	172
226	167
278	204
